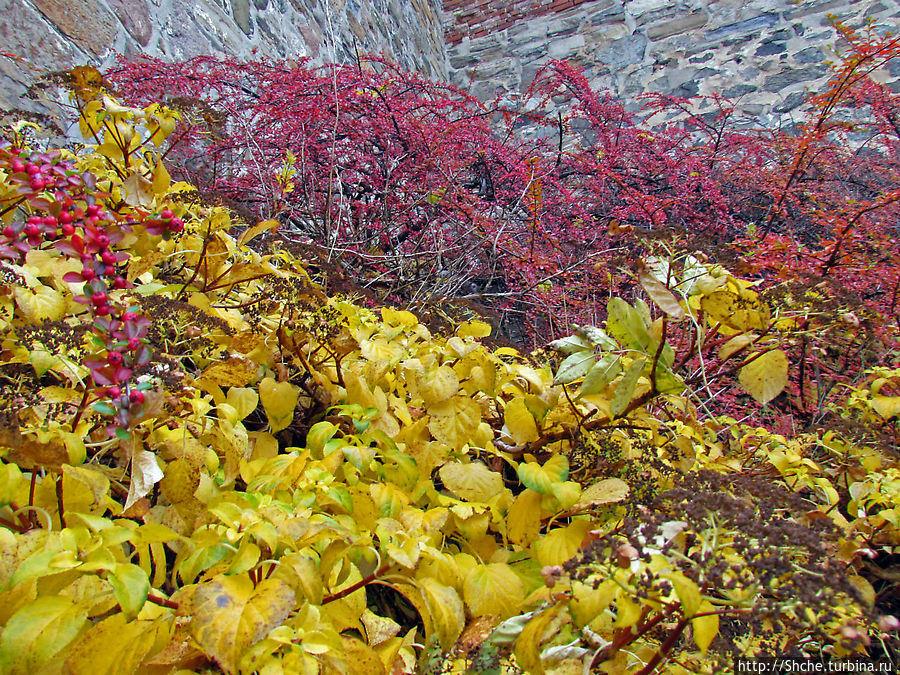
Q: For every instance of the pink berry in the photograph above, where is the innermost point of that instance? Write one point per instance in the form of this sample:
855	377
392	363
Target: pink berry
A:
68	229
109	270
134	344
119	282
49	221
18	166
137	397
32	169
103	241
98	298
113	392
65	217
176	225
108	257
36	183
92	210
114	359
167	214
102	310
32	230
9	232
129	316
88	273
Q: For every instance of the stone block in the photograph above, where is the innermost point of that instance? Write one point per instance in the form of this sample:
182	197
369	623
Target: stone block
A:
809	55
563	48
134	17
787	78
624	52
88	25
770	49
751	25
678	25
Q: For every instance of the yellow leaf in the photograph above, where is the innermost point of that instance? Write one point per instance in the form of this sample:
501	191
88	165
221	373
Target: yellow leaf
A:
705	628
606	491
252	233
38	632
561	544
688	593
438	385
161	179
235	371
138	190
279	400
493	589
766	376
886	406
473	328
520	422
230	615
588	603
40	303
523	521
243	399
528	644
454	422
737	343
394	317
133	641
446	609
360	658
473	482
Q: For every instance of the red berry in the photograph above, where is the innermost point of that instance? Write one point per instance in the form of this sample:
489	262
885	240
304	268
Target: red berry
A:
109	270
136	397
68	229
34	220
108	257
114	359
98	298
49	221
36	183
129	316
35	241
92	210
31	168
102	310
119	282
65	217
32	230
166	214
9	232
176	225
88	273
103	241
18	166
113	392
134	344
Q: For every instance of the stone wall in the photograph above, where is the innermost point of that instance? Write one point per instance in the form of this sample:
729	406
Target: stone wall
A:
766	53
58	34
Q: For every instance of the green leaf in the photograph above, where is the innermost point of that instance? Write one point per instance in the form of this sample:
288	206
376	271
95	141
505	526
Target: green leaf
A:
601	374
766	376
104	408
131	587
571	344
574	366
597	337
542	478
230	615
37	632
626	325
625	388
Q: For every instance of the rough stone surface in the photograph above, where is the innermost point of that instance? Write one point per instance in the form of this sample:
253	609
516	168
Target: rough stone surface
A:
135	18
87	24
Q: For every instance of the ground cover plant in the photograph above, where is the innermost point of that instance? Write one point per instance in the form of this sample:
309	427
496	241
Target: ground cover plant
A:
222	451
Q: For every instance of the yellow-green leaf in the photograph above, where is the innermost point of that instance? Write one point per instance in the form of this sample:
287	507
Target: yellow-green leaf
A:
493	589
38	632
279	400
230	615
541	478
606	491
660	294
528	644
625	387
473	482
438	385
132	641
40	303
446	609
601	374
766	376
561	544
131	587
523	521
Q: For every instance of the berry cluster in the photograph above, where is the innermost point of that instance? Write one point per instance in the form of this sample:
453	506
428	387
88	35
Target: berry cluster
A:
66	212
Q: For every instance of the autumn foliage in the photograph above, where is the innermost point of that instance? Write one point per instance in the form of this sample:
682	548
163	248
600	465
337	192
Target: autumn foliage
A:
230	442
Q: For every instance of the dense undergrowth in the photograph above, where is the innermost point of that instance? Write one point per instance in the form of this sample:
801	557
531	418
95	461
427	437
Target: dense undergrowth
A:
211	462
